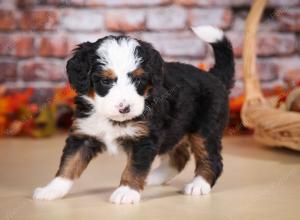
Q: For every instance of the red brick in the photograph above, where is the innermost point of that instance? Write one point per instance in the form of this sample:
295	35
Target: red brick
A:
214	2
276	44
24	46
267	69
19	45
8	20
5	4
30	3
289	68
26	3
184	44
42	70
221	18
77	38
166	18
284	3
191	61
6	45
268	44
64	3
40	19
125	20
83	20
55	46
131	3
236	3
8	71
286	68
289	19
292	76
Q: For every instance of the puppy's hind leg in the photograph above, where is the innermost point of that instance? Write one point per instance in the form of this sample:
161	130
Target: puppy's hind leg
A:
208	165
172	163
78	152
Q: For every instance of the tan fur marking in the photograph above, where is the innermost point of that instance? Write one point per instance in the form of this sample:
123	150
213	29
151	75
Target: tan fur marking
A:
91	94
147	90
129	178
203	165
142	127
73	166
180	154
138	72
109	74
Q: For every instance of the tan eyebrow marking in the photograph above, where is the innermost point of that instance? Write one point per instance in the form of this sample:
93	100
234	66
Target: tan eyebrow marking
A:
147	89
138	72
109	74
91	94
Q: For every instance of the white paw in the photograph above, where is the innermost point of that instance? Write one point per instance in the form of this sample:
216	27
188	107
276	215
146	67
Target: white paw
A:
125	195
56	189
199	186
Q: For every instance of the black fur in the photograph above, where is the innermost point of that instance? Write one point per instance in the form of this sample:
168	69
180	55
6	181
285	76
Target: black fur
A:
224	67
83	108
79	67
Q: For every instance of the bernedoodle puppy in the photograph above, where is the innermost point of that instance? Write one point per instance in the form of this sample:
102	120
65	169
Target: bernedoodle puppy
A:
129	97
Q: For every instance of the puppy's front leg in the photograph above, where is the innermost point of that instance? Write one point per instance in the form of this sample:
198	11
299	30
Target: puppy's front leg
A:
140	158
78	152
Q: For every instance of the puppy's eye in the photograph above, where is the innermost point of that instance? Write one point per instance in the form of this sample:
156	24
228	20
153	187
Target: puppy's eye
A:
106	82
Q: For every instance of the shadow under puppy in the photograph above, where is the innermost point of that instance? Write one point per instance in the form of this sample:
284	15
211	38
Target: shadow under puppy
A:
129	96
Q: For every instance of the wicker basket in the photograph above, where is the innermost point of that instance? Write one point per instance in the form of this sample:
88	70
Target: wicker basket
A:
272	127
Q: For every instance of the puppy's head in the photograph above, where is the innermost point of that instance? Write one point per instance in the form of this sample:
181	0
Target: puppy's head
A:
117	74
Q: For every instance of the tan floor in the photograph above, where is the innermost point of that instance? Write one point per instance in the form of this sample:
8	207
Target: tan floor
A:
258	183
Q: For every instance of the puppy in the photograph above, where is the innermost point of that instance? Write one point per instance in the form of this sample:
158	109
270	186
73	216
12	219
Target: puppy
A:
129	97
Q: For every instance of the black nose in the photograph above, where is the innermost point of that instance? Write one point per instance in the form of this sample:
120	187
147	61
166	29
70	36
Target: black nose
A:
125	109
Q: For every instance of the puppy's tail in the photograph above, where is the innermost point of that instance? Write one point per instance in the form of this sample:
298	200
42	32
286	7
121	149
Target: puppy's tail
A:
224	59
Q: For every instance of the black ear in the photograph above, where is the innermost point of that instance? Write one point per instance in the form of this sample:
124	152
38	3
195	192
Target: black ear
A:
79	67
152	62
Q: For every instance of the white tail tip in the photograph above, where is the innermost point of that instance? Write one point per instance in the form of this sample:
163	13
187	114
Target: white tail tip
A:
209	34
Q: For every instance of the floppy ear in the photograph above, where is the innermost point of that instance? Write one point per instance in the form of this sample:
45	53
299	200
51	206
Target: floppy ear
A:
79	67
152	62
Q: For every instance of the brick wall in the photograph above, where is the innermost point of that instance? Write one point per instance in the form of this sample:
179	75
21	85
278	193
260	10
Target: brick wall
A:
37	36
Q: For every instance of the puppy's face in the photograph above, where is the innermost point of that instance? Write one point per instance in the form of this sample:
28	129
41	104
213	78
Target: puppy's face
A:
117	74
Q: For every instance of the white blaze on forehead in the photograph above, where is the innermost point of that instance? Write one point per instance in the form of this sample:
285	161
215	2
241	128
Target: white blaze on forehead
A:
119	55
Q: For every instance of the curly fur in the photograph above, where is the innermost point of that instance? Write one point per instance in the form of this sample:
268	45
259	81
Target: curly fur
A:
179	101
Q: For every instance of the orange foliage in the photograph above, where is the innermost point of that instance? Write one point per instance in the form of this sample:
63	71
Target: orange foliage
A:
202	66
19	116
14	107
64	95
236	103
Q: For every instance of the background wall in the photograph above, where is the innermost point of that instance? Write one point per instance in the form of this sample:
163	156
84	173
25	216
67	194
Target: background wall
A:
37	36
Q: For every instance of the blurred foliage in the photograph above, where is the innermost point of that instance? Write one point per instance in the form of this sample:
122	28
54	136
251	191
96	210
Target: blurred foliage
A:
18	116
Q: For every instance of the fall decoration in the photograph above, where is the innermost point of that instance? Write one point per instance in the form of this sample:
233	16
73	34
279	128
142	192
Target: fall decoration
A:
18	116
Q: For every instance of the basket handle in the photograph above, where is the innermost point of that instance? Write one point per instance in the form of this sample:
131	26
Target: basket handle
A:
253	92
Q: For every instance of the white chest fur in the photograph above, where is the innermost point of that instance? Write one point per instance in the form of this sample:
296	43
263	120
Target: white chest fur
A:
97	126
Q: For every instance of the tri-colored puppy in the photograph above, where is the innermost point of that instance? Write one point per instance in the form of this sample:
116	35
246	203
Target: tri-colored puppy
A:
129	96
